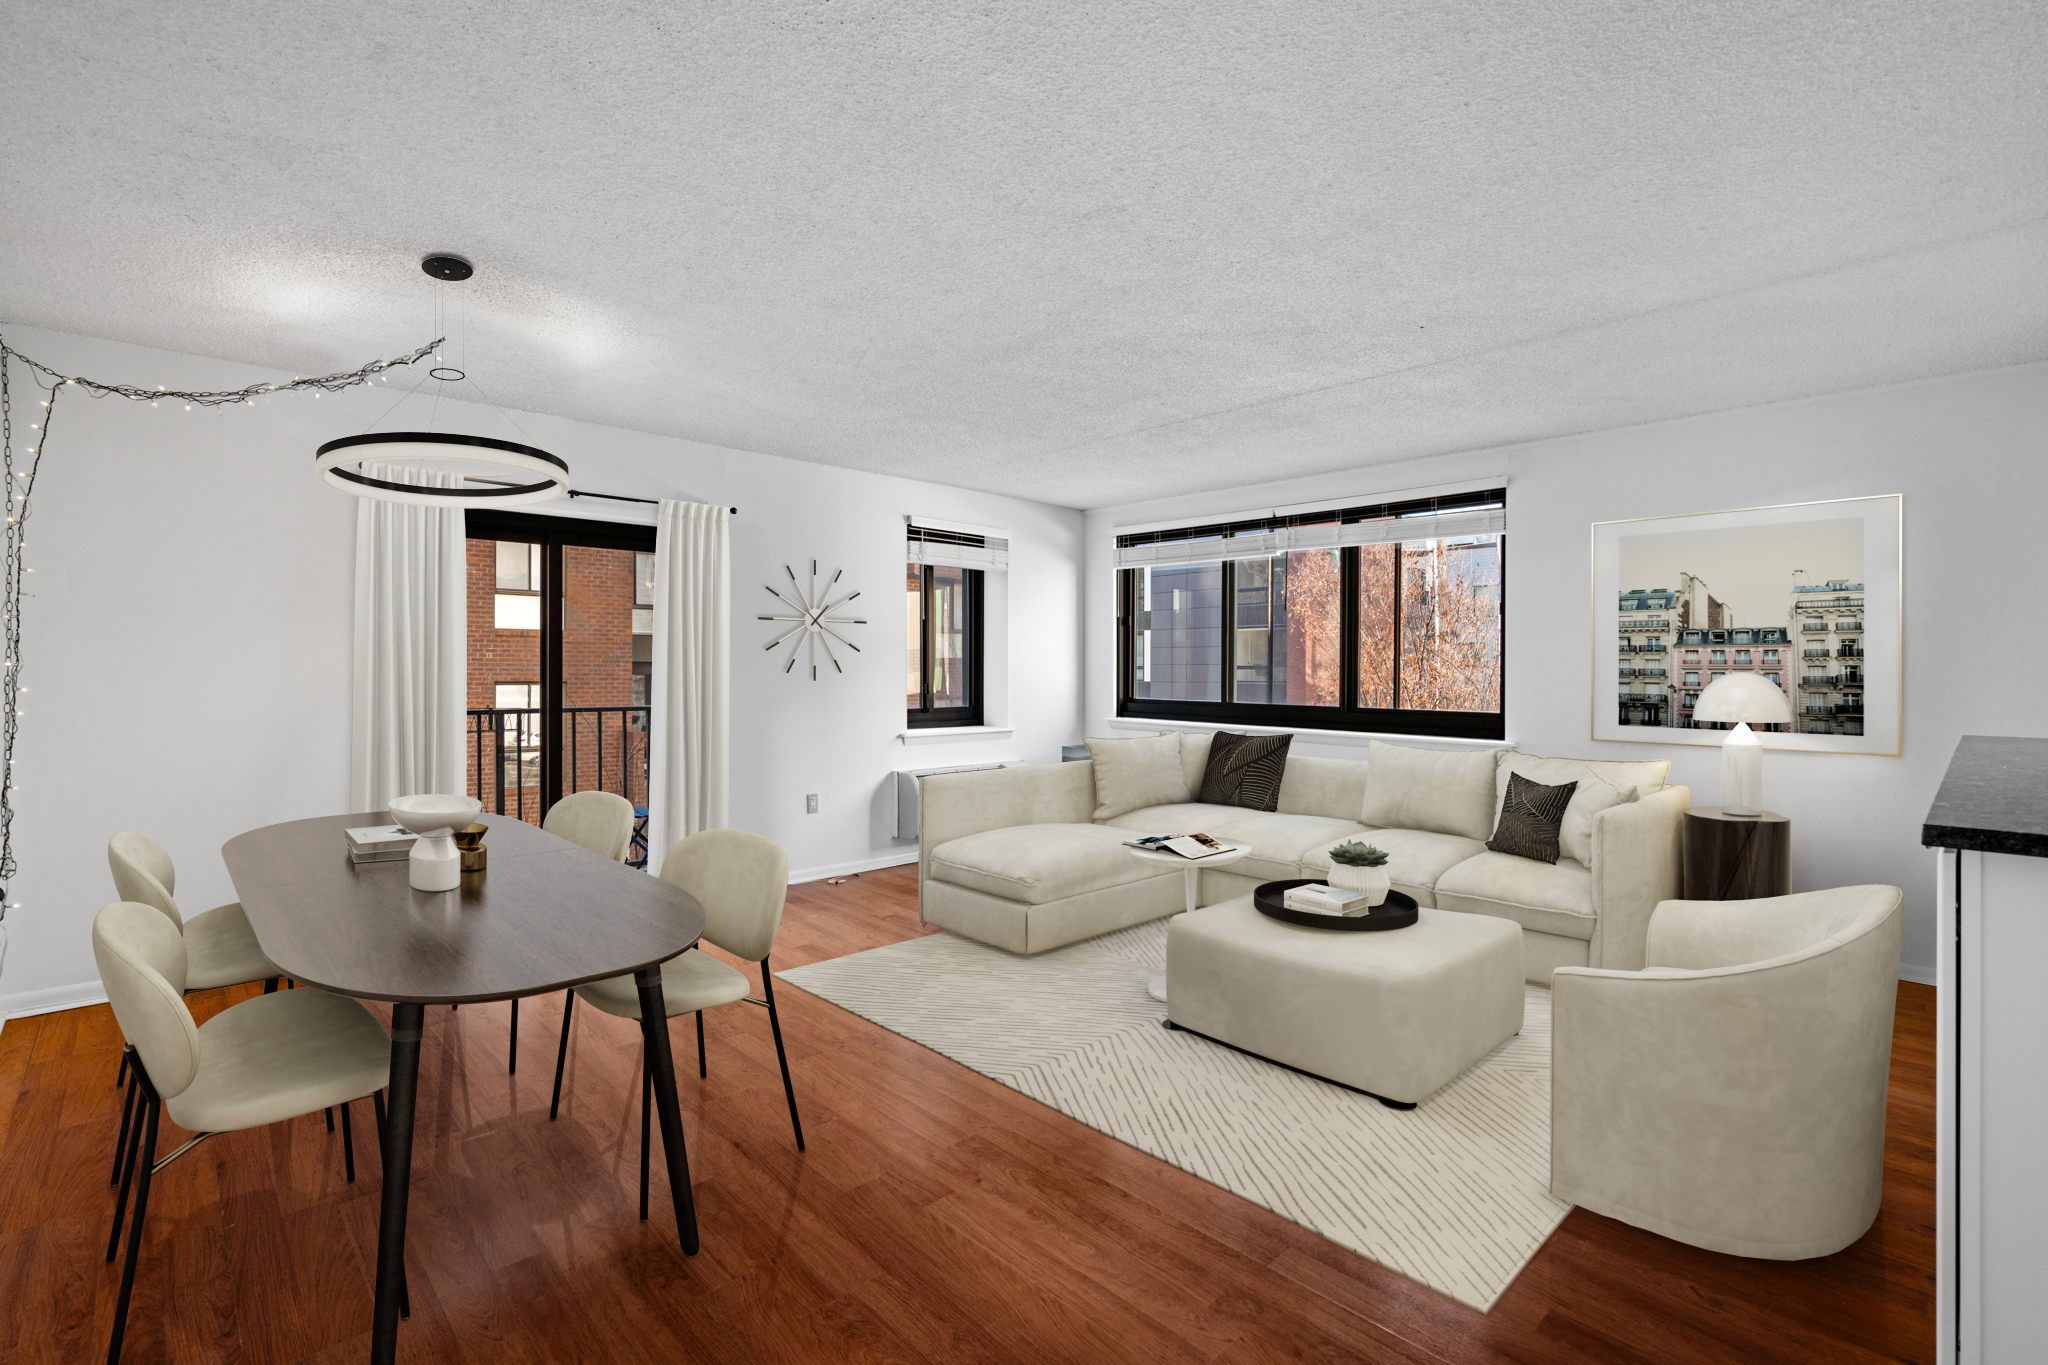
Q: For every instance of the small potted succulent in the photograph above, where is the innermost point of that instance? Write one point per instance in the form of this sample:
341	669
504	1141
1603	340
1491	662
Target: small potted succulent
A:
1360	867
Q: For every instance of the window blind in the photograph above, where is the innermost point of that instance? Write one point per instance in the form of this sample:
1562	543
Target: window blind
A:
1261	539
936	544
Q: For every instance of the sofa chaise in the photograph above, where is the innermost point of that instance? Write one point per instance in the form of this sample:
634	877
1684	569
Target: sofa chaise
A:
1031	858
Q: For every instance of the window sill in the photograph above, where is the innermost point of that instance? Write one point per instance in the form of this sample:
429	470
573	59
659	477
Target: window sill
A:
939	734
1340	738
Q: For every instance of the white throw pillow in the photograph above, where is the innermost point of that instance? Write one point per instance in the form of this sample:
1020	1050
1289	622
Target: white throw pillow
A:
1131	774
1444	791
1575	834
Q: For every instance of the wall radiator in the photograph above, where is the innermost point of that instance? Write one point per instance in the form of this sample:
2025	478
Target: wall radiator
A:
906	790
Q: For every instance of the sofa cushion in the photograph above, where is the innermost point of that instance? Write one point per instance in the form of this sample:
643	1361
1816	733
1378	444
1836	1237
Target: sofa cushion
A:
1415	858
1279	842
1245	770
1576	837
1037	864
1183	817
1530	819
1551	898
1323	786
1441	791
1130	773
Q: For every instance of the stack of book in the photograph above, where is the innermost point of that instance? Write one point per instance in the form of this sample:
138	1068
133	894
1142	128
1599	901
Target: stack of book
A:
379	843
1324	899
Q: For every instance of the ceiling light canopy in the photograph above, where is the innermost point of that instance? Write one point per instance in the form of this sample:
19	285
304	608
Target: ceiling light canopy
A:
536	476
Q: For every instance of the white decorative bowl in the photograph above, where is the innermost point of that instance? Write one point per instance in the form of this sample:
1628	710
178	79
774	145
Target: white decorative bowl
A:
429	814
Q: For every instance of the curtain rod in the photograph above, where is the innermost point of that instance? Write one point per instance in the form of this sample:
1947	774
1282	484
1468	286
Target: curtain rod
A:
581	493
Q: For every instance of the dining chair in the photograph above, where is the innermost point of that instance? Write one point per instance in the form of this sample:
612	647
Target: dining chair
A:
600	822
271	1058
740	879
220	947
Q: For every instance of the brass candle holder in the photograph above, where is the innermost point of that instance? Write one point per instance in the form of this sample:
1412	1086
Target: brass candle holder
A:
470	840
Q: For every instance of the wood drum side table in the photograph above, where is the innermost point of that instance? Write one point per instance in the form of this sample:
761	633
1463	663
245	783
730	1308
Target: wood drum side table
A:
1736	857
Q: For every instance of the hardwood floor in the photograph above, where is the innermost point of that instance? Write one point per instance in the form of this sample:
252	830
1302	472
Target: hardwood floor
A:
936	1217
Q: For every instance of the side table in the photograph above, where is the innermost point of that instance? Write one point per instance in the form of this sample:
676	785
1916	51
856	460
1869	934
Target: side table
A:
1736	857
1192	868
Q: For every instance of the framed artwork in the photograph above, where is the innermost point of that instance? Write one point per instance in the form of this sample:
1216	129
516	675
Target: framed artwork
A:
1808	595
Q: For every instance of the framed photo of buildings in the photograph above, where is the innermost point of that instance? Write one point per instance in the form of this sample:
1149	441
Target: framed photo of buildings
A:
1807	595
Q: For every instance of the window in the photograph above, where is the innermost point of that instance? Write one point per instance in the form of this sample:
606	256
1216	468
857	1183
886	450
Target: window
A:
1742	656
943	654
1770	657
1720	656
516	605
1385	618
1692	680
643	605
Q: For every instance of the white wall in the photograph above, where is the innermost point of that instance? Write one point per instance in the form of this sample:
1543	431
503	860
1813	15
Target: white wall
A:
1969	453
187	644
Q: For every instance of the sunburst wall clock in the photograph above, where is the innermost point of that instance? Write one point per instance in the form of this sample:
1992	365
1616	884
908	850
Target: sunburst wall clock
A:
813	620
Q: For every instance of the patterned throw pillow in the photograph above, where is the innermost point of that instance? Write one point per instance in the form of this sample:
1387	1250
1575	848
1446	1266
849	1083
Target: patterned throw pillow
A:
1530	819
1245	770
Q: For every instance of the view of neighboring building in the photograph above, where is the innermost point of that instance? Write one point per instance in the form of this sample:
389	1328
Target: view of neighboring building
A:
1676	643
1827	618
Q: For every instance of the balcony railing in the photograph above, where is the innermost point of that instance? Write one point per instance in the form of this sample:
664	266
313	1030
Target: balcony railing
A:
1811	626
1821	680
1658	624
1849	652
604	749
1849	627
1815	654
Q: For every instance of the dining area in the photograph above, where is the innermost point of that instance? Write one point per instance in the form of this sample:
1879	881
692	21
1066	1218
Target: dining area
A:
353	972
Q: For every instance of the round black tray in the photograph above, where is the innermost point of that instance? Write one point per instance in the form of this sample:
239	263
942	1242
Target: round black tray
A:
1395	912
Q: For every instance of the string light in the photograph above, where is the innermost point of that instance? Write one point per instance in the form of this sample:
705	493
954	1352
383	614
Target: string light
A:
20	486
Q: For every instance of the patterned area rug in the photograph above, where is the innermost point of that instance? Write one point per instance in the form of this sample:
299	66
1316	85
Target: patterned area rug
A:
1453	1193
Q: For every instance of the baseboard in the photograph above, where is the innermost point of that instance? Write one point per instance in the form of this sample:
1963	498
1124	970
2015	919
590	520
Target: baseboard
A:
880	860
50	999
1913	971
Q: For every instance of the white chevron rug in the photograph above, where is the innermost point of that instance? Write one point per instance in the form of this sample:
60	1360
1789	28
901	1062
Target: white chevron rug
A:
1453	1193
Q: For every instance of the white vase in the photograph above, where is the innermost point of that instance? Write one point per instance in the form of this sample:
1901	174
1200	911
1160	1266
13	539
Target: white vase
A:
1374	881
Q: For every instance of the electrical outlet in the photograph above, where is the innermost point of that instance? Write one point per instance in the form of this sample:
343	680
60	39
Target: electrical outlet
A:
811	804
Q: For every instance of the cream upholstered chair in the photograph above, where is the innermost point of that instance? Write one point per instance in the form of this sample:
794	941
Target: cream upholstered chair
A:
1732	1093
601	822
740	879
268	1059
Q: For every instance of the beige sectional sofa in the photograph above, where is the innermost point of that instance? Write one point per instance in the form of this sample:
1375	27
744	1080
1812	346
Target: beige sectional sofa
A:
1017	857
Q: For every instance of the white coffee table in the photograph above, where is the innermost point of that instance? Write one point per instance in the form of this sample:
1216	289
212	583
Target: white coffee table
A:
1192	869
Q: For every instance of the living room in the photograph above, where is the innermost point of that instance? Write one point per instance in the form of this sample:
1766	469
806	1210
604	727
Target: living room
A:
1004	295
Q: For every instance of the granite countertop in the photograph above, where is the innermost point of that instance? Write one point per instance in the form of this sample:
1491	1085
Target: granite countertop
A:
1994	798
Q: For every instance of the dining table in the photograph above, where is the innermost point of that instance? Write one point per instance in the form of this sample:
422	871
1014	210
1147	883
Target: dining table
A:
543	914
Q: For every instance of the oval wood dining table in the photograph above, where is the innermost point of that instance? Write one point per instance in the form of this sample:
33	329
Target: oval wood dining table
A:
544	915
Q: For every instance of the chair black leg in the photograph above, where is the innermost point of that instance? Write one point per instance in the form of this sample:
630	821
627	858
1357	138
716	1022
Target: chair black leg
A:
127	1164
781	1057
348	1147
404	1297
330	1118
701	1072
146	1157
512	1059
646	1109
269	984
121	1142
562	1051
122	1075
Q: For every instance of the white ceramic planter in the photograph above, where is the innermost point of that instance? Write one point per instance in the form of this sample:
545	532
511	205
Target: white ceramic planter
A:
436	862
1374	881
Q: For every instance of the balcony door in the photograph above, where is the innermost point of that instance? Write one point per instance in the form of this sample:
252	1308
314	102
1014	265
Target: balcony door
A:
561	626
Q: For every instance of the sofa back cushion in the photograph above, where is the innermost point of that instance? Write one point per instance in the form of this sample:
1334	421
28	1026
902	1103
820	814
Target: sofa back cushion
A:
1444	791
1332	787
1130	773
1602	783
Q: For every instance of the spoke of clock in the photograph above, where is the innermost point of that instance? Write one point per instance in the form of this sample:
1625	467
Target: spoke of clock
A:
793	606
824	607
779	618
841	639
830	655
784	636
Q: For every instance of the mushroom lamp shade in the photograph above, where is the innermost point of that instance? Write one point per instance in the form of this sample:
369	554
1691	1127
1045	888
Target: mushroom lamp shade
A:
1743	699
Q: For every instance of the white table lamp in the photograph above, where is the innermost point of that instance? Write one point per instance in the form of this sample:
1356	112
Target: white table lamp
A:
1743	698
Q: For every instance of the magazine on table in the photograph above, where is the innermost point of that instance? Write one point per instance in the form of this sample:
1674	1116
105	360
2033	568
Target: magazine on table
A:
1186	845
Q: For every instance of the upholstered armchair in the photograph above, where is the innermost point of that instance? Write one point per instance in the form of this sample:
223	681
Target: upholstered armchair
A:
1732	1093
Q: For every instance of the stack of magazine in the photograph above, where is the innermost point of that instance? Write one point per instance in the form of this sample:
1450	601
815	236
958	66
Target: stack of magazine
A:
379	843
1323	899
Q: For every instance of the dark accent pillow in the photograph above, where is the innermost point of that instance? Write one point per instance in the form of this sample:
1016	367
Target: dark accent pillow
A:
1530	818
1245	770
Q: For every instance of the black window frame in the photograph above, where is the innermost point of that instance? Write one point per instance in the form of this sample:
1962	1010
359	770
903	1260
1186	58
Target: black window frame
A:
1347	714
553	534
928	716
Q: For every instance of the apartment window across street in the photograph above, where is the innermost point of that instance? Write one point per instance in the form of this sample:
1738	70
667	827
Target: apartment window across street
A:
943	603
1387	617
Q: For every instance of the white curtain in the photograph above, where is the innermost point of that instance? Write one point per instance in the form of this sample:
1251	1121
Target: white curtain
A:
411	655
692	709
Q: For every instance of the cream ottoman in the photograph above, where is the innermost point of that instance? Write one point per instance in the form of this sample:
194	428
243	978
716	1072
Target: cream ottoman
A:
1396	1013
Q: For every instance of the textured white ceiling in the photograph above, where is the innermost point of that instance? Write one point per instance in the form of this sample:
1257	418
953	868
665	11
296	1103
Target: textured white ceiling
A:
1083	252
